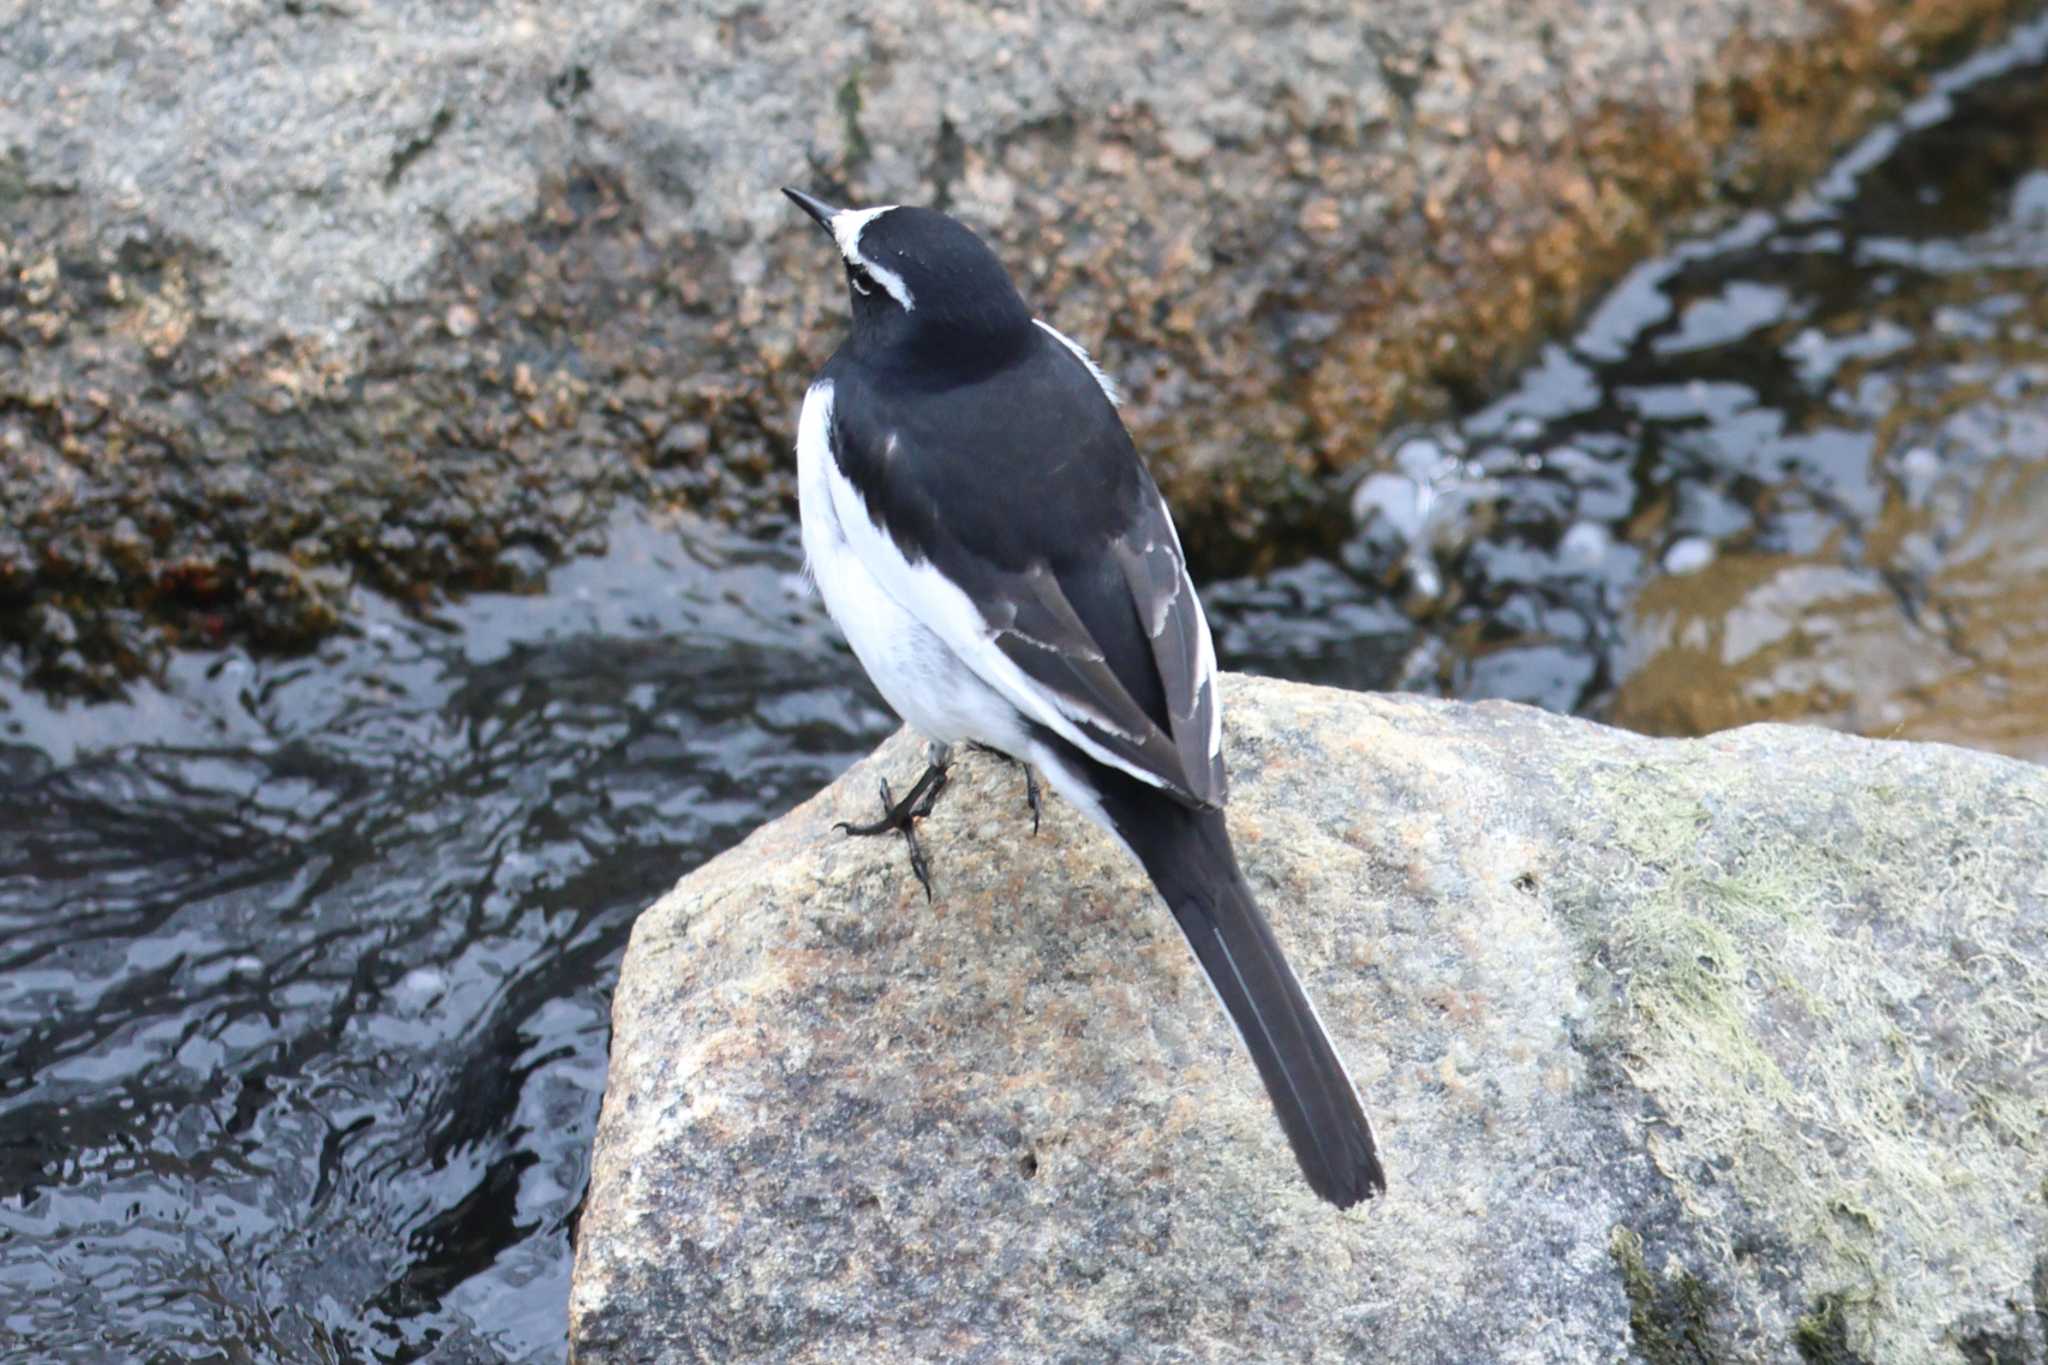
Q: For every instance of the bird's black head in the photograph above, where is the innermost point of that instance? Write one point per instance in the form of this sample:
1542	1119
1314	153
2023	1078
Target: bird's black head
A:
922	282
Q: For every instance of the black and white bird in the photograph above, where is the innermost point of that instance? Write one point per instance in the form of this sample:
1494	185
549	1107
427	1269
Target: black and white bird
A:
981	527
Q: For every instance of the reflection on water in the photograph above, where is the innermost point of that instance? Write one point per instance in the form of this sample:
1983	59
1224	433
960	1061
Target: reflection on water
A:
305	996
304	964
1893	582
1789	471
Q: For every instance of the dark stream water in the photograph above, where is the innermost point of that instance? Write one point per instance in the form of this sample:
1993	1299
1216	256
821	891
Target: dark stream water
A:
304	964
1792	470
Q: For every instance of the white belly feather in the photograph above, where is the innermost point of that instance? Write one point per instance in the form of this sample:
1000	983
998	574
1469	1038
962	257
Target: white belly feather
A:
917	673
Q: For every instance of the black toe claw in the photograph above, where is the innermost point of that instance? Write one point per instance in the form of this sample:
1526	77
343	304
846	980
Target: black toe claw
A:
918	866
1031	793
901	817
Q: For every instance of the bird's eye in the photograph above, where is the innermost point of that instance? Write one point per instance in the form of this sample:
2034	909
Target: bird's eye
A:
859	278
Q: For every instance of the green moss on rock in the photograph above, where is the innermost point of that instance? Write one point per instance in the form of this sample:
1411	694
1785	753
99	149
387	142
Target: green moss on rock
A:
1670	1315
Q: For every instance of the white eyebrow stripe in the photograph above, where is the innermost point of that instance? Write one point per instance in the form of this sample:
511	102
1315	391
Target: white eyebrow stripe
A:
846	230
890	281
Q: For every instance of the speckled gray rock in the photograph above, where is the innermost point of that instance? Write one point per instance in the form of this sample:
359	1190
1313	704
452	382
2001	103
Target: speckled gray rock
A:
1725	1049
301	295
326	154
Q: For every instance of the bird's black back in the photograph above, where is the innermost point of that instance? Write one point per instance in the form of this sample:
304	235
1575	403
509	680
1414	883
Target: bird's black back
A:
1004	460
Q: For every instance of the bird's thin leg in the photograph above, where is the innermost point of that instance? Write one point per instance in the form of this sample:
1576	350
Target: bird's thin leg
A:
1030	782
902	816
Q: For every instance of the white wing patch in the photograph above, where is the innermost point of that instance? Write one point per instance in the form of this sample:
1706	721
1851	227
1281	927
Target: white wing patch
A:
1163	608
846	230
1107	384
1205	647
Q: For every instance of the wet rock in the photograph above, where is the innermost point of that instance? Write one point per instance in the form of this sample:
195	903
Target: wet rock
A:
276	282
1723	1049
1784	470
1921	611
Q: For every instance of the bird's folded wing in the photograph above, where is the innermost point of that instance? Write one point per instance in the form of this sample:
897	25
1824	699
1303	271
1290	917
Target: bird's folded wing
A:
1036	628
1150	556
1019	633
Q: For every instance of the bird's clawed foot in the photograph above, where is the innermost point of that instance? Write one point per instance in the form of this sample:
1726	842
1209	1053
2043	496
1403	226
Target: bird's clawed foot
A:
902	816
1030	783
1031	795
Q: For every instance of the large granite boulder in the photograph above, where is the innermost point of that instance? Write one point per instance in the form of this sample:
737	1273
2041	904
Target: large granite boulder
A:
302	295
1721	1049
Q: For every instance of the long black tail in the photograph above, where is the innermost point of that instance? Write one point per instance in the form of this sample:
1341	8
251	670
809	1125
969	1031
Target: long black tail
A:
1188	854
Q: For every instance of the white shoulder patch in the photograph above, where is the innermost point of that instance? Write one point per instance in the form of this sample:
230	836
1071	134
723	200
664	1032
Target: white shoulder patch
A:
1108	385
846	229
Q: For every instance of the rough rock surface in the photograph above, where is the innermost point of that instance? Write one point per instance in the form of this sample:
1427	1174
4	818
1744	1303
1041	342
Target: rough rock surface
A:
302	295
1714	1050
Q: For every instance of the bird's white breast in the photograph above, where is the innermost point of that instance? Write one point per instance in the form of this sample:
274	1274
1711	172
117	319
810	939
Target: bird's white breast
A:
921	677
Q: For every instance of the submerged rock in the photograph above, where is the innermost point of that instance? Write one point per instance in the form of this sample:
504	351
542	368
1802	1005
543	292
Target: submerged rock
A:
1720	1049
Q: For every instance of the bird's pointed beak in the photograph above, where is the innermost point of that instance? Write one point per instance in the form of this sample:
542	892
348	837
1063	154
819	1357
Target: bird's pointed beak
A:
816	207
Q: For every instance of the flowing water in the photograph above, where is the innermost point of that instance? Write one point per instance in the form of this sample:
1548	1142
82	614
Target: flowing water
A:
304	964
1794	470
